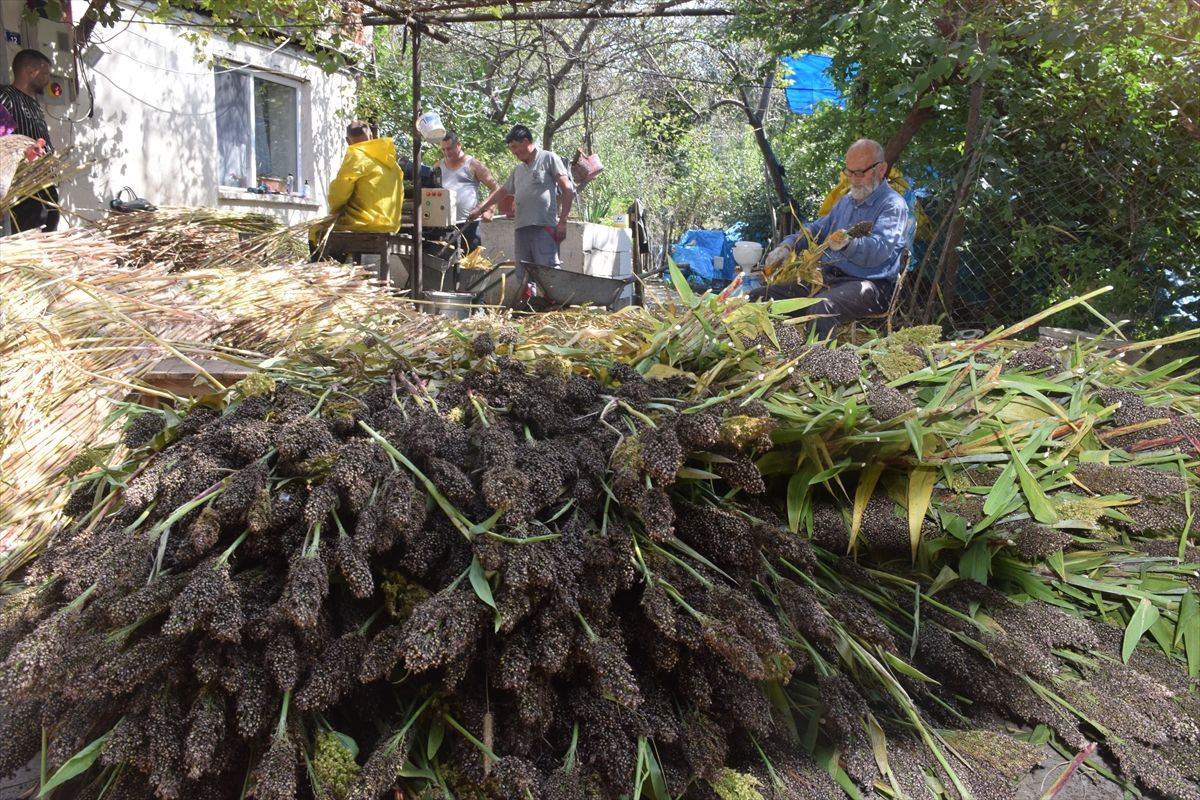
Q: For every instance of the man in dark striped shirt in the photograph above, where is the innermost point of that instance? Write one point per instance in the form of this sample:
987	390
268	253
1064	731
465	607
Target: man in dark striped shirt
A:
31	76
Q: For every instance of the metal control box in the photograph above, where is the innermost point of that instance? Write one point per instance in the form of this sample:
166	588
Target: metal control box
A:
437	208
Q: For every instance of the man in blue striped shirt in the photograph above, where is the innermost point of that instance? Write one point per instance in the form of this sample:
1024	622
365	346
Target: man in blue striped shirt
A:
859	273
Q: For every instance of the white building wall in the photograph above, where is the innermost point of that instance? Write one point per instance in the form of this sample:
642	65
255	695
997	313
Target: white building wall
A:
145	116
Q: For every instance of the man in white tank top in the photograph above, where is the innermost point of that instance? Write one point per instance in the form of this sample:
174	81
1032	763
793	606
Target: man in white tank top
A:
462	174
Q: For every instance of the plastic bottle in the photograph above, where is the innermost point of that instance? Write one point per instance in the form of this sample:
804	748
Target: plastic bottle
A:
291	183
306	192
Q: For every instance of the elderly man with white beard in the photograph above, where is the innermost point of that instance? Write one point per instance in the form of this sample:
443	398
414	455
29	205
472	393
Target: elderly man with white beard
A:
859	273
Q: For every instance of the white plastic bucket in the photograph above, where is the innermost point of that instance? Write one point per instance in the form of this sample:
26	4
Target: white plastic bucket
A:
746	253
430	126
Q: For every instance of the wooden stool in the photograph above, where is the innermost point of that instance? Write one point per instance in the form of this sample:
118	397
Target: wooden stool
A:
355	245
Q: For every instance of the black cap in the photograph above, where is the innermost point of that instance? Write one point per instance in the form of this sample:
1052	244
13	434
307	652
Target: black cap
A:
519	132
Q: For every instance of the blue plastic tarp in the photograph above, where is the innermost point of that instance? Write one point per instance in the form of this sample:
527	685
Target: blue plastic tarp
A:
809	84
697	247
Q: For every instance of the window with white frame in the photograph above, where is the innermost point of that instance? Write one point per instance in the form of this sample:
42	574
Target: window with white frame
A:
258	126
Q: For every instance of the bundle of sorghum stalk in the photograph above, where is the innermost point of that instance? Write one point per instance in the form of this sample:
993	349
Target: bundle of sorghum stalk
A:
729	564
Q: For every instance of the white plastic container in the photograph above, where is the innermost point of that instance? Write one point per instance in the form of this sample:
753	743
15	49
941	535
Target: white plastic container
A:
430	126
747	253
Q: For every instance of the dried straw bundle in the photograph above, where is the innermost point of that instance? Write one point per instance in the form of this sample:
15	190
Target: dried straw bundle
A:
21	178
195	238
79	330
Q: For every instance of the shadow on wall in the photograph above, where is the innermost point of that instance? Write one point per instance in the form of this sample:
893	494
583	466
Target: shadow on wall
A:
152	130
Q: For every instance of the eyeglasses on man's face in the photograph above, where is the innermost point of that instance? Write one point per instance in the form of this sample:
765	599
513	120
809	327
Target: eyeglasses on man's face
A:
858	173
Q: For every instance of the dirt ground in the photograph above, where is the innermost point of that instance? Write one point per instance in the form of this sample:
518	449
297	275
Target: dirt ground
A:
1080	787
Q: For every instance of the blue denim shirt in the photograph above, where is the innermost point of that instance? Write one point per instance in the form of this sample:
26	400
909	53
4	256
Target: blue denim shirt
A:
873	257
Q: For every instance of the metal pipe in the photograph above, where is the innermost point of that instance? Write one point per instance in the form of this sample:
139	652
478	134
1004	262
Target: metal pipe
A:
597	13
418	255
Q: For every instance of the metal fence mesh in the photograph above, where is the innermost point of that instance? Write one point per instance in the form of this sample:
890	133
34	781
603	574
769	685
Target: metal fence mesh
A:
1000	242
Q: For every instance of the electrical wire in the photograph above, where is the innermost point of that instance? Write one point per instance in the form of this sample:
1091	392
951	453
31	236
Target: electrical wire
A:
214	71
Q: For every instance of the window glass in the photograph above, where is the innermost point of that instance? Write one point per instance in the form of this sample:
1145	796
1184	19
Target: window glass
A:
275	144
233	129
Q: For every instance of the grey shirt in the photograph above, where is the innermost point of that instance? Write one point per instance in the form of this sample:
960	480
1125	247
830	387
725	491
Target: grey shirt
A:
535	188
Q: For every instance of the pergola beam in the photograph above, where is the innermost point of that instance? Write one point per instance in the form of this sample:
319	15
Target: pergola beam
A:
594	13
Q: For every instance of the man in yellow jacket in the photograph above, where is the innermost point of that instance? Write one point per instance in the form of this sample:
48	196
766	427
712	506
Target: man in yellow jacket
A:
368	192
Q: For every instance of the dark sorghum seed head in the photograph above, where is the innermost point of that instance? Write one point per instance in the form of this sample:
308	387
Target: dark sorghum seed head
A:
829	529
275	776
383	653
1152	770
165	736
779	542
143	428
82	500
210	601
379	773
39	654
482	345
723	536
738	653
509	488
698	431
321	502
255	700
807	615
861	620
739	700
1156	517
611	671
452	482
658	515
1133	480
303	438
1032	359
355	568
741	473
403	512
200	535
137	664
250	439
442	628
1033	541
234	504
282	660
887	403
305	590
751	619
360	464
126	744
883	529
660	611
703	744
1048	625
516	777
662	454
844	708
334	673
148	601
206	729
840	367
72	730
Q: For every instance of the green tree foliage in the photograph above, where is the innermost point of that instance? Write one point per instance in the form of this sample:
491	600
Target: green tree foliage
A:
326	28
